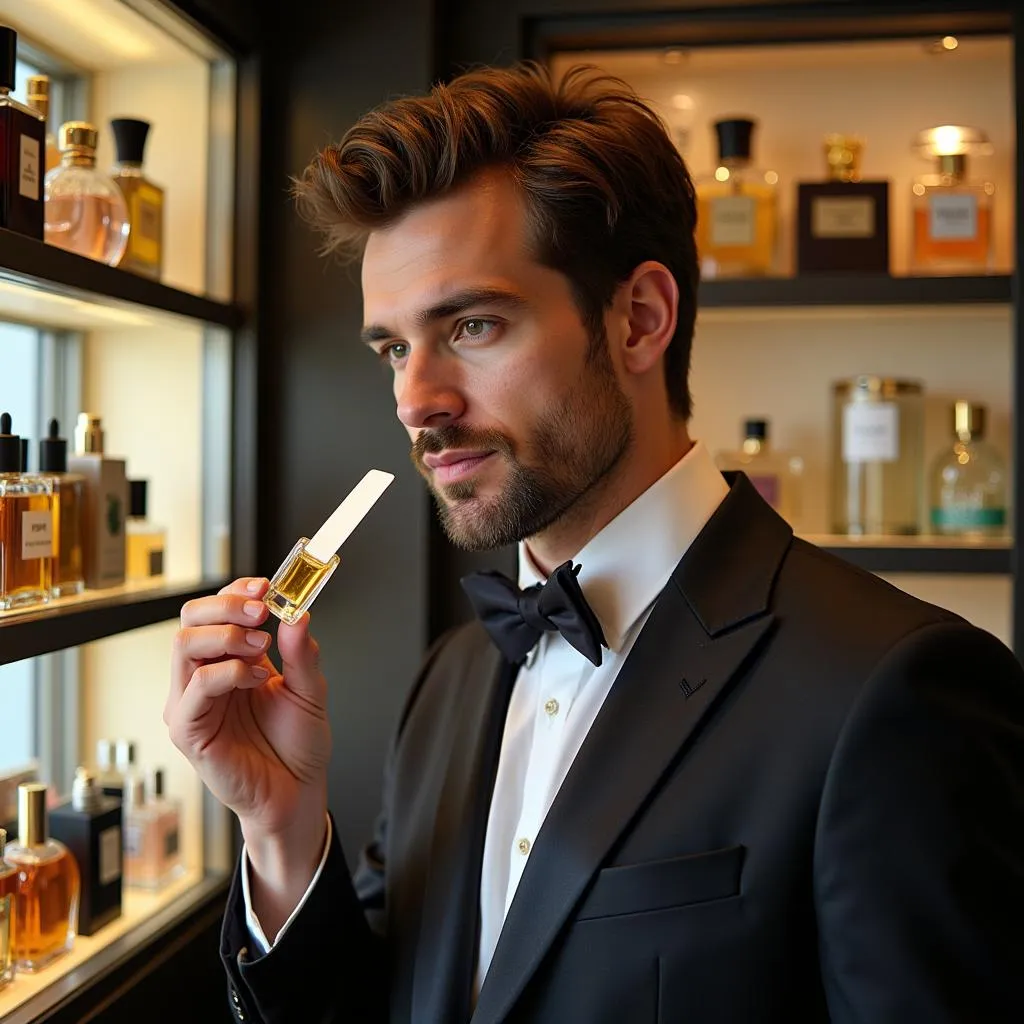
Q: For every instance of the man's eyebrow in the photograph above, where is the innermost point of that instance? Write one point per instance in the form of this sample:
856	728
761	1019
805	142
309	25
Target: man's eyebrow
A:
455	304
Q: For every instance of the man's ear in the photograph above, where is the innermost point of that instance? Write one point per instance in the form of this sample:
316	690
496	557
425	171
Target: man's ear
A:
652	303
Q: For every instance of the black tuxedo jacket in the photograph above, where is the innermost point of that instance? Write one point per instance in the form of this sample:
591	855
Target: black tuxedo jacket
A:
803	800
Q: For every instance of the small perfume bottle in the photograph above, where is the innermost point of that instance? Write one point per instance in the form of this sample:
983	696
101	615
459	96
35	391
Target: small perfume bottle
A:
89	825
169	819
736	208
311	563
26	527
38	94
775	474
146	542
145	251
969	482
22	140
8	888
108	778
68	513
143	838
952	226
85	210
46	903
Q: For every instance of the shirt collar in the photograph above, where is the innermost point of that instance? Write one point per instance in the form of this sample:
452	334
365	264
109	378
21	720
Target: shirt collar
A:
627	564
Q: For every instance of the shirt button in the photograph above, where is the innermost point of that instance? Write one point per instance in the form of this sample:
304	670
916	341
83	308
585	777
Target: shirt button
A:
551	707
523	846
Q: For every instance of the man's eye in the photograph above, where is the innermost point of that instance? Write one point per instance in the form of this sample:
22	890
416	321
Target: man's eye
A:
476	327
393	352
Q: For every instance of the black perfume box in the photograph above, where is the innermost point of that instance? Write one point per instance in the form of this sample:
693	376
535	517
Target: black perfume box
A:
843	227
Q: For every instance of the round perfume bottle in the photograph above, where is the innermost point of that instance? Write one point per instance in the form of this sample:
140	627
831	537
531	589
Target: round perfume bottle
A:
85	211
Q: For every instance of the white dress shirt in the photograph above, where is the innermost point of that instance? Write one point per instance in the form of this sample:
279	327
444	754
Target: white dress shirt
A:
558	692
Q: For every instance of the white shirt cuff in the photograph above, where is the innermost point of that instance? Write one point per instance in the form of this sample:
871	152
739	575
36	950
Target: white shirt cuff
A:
251	921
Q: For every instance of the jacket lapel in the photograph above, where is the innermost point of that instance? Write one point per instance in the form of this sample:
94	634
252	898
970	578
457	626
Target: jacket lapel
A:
709	620
445	962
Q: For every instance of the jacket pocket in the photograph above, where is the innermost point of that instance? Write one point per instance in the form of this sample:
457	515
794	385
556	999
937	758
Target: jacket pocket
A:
664	884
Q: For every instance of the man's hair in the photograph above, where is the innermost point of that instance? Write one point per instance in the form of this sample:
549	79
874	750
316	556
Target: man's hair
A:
604	187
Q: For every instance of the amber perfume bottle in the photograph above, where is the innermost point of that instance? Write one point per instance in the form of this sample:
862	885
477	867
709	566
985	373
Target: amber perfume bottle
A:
952	213
26	527
86	212
843	222
68	513
46	903
736	208
22	144
89	825
311	563
38	94
146	542
145	250
8	888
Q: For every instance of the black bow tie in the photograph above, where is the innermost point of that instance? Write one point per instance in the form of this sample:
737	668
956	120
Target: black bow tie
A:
516	618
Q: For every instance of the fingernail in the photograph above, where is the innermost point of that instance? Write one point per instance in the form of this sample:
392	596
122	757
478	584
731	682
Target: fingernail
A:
253	609
259	672
253	586
256	638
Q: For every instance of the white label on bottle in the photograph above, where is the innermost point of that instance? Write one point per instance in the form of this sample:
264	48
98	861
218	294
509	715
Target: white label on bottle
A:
953	217
110	855
732	220
843	217
871	432
36	535
28	165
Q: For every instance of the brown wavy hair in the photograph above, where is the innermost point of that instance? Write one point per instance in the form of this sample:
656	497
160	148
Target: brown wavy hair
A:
603	184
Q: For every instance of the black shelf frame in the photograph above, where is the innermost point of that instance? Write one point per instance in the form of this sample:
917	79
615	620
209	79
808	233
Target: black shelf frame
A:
31	262
984	561
47	629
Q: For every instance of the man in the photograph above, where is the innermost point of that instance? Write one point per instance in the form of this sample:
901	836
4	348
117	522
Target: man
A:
706	773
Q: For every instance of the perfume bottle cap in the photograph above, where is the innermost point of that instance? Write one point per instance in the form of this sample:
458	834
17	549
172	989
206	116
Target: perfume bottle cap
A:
125	754
10	446
105	754
756	429
137	498
969	420
37	91
53	451
134	791
24	455
129	138
88	434
155	783
735	139
32	814
842	157
952	140
85	794
8	56
77	136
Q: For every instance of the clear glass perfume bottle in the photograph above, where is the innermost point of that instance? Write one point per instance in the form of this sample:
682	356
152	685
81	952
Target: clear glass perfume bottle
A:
169	819
46	904
775	474
8	888
26	527
22	141
736	208
146	543
969	482
952	214
145	251
68	513
37	90
108	778
85	210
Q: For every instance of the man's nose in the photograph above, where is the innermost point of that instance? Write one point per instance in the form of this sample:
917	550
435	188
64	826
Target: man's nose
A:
426	395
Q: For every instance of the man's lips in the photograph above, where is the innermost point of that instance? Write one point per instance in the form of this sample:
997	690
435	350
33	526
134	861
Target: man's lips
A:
454	465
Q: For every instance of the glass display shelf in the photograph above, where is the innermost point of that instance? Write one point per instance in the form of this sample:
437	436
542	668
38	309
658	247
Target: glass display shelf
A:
920	554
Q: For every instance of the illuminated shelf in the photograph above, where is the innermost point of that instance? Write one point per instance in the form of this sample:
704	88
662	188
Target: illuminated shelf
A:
922	554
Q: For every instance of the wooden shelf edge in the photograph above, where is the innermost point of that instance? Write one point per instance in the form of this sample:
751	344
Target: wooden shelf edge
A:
918	558
34	263
56	628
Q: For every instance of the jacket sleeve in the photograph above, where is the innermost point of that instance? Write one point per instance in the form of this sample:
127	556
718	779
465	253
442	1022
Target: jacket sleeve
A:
919	848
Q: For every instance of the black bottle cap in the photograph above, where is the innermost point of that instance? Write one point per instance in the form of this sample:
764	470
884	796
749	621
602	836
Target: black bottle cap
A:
10	447
24	455
735	138
53	451
137	498
757	429
129	139
8	56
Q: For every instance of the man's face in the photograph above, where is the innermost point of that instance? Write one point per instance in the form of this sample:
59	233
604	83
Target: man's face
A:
515	413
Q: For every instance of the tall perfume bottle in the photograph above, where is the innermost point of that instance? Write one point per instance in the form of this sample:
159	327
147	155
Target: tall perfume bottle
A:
969	483
85	210
169	818
22	143
952	213
46	903
89	825
38	94
26	527
843	222
106	504
143	838
736	208
145	251
8	888
108	778
146	542
775	474
68	513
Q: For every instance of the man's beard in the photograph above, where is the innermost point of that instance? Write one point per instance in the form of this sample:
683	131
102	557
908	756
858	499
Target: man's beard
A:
571	450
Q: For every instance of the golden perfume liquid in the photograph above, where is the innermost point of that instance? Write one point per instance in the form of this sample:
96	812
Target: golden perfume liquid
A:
297	582
145	543
145	250
68	510
8	887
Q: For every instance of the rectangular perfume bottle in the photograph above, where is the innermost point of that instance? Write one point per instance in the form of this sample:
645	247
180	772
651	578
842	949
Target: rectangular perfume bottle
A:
8	887
146	543
22	150
144	252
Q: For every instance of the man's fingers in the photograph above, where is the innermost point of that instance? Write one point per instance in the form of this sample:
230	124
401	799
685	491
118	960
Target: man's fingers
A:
300	662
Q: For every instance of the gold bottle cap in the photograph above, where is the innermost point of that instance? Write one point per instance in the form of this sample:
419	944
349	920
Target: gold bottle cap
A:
950	145
842	156
969	420
85	794
32	814
37	89
77	137
88	434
